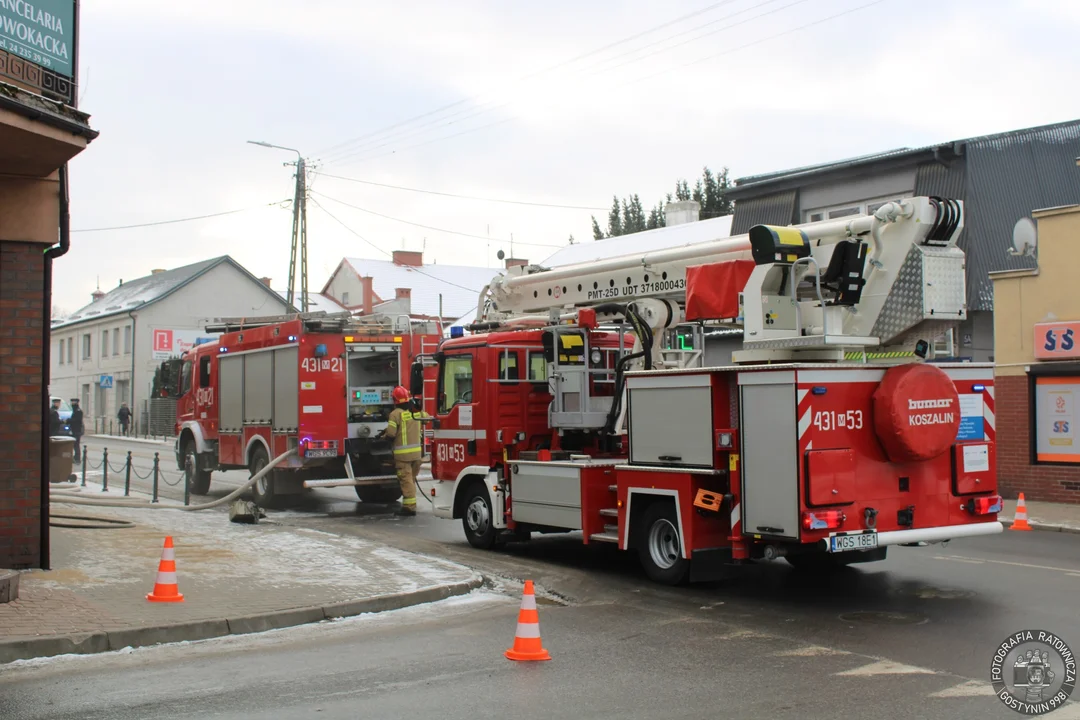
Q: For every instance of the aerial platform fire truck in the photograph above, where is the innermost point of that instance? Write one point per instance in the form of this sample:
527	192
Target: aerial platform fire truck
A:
318	383
609	398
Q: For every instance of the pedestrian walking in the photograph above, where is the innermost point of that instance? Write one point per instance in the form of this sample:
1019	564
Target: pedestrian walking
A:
124	416
404	429
76	426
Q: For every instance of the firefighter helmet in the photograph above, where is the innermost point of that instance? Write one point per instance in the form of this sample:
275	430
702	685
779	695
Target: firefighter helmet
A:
400	394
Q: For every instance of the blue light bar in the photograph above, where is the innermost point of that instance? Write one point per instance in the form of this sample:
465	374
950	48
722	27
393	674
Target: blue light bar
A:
292	338
819	390
320	350
457	331
978	388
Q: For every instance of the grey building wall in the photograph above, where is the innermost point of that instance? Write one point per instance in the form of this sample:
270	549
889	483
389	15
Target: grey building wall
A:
776	209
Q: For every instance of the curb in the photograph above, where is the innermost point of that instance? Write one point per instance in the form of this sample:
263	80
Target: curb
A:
86	643
141	441
1045	527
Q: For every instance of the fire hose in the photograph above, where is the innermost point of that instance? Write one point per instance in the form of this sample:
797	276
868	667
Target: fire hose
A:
72	498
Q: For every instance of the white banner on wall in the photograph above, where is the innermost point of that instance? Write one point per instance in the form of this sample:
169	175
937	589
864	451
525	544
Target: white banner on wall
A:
168	342
1055	419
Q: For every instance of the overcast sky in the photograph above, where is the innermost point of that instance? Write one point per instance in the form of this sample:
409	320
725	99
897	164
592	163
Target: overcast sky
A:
554	102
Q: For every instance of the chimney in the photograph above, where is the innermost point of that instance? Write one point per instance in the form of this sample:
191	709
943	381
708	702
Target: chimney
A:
400	293
368	302
680	212
515	262
265	281
157	271
97	294
408	257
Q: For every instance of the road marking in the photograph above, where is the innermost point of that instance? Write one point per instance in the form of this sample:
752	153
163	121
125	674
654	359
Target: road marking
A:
971	688
810	651
886	667
961	558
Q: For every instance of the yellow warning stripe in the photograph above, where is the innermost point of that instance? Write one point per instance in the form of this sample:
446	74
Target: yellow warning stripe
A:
877	356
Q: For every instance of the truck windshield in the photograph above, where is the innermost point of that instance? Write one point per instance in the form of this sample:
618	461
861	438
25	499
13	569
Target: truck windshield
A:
185	378
455	382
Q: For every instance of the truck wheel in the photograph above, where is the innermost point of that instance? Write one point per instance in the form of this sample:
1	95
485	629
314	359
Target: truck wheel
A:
376	495
199	479
660	545
263	490
477	520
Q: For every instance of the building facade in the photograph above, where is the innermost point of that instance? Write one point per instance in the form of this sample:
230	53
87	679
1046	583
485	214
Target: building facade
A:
106	353
1001	178
1037	365
40	131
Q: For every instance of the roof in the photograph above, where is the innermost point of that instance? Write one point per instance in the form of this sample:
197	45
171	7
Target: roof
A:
751	185
459	285
150	289
642	242
317	302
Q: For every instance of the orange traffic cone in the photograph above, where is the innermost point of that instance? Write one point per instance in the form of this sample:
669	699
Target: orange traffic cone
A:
166	589
1020	520
527	645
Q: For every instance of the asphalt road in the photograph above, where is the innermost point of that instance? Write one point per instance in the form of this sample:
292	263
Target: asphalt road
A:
941	610
633	660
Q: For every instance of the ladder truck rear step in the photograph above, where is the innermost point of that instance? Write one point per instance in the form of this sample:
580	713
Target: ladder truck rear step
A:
604	537
613	488
610	512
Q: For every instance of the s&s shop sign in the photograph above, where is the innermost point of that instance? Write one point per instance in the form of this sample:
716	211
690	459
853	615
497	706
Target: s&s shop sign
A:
1057	340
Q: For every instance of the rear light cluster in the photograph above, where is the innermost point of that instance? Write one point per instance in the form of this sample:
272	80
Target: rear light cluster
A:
317	445
823	520
984	505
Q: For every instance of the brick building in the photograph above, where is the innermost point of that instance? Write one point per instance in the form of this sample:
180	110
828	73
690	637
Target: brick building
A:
1037	367
40	131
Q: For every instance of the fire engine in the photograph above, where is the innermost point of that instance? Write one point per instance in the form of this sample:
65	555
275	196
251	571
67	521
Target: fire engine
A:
318	383
774	394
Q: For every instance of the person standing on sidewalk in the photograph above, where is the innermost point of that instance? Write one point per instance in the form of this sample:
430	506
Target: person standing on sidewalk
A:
404	429
56	425
76	425
124	416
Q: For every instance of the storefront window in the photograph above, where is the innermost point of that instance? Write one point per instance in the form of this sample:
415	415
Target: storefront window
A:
1054	419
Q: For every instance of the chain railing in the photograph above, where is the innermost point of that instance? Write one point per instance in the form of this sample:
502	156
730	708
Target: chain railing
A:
128	468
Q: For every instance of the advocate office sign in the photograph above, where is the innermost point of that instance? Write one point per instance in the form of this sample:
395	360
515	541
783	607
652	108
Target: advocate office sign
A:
40	31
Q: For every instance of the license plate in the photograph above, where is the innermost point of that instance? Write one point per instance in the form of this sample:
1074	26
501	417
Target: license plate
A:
846	543
321	453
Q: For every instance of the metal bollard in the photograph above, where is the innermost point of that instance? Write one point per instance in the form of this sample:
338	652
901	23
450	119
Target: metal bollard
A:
104	469
187	484
84	452
155	477
127	476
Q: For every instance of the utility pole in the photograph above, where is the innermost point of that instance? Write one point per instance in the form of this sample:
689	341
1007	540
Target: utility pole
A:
299	228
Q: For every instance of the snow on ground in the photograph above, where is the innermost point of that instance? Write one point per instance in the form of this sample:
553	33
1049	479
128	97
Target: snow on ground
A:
477	600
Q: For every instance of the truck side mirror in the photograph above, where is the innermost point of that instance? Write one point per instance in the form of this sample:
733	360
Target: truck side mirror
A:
416	379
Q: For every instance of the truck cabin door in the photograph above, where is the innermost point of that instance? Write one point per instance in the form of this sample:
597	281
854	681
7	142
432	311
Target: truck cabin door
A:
458	442
185	404
204	390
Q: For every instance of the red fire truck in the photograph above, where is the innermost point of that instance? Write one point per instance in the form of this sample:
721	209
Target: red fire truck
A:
316	382
775	394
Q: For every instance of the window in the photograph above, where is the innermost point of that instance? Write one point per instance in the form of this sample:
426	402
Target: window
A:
116	341
104	343
508	366
1054	420
537	367
204	371
455	382
86	346
185	378
61	351
127	340
345	299
71	349
865	207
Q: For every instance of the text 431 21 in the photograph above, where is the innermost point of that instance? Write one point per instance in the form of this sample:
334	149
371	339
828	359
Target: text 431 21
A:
314	365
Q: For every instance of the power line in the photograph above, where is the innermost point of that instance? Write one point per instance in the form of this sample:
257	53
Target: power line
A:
426	227
337	149
384	252
481	111
453	195
643	78
279	203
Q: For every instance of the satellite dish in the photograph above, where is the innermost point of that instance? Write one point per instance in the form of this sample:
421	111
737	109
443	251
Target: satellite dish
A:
500	255
1025	237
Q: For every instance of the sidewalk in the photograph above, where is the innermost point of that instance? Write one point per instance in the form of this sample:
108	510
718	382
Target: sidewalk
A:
1058	517
235	579
128	438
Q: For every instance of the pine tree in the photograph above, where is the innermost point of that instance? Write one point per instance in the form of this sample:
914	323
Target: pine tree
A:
682	190
656	217
597	233
615	225
724	205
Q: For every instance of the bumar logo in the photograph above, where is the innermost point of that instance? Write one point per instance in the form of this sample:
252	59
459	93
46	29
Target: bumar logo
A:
1033	672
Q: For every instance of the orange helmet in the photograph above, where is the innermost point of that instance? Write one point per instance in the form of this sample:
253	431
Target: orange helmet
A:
400	394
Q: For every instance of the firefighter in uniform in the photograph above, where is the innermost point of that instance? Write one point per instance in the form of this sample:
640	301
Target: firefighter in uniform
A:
405	430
